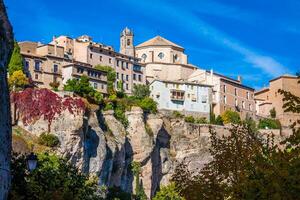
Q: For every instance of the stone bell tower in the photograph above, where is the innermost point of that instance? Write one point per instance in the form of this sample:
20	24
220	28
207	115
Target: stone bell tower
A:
126	42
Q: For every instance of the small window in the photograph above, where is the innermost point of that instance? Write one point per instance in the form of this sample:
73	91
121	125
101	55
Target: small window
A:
247	95
134	76
118	63
225	99
161	55
126	65
122	76
127	77
100	58
236	102
55	68
109	60
144	56
91	55
140	77
37	65
243	104
224	88
36	76
127	86
26	64
95	85
117	75
128	42
235	91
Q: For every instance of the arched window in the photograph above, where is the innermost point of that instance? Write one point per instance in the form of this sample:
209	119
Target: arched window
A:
175	57
128	42
144	56
161	55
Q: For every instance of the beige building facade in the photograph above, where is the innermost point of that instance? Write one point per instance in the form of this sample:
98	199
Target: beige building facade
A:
228	93
269	98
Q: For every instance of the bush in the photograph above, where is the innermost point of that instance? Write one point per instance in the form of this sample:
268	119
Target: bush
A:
53	178
189	119
177	114
141	91
148	105
201	120
219	121
169	192
231	117
269	124
48	139
17	81
54	85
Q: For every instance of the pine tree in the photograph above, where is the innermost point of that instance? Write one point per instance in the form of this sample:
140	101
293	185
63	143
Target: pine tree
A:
16	60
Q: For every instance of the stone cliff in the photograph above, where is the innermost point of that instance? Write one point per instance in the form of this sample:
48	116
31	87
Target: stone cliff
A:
99	144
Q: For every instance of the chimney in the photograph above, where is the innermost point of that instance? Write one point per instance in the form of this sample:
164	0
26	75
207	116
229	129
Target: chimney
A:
239	78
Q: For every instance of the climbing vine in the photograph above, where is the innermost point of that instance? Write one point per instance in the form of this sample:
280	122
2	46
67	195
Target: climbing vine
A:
32	104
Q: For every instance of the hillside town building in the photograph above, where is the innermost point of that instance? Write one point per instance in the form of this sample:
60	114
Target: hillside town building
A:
64	58
269	98
167	61
187	97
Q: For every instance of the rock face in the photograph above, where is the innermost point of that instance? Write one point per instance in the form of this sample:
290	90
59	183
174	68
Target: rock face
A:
6	46
98	144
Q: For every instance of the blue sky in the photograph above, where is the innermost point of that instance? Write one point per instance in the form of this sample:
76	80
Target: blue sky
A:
256	39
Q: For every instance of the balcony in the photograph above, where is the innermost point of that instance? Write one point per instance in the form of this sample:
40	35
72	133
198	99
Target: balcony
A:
55	71
177	95
137	68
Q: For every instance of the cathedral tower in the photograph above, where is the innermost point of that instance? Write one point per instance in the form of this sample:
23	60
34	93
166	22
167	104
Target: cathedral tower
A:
126	42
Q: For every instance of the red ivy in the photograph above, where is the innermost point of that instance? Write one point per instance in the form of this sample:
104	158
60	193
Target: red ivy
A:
32	104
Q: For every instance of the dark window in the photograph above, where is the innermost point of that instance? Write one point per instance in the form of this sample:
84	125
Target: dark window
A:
128	42
109	60
26	64
126	86
134	76
122	76
140	77
91	55
235	91
37	65
126	77
117	75
118	63
36	76
95	85
55	68
100	58
126	65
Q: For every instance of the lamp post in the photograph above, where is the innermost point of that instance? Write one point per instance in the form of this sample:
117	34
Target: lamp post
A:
31	161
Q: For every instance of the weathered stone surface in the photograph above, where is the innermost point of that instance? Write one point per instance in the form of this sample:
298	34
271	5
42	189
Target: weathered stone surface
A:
6	46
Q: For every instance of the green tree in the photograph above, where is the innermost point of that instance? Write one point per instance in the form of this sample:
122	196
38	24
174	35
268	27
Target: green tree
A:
148	105
139	190
189	119
273	113
16	60
141	91
231	117
168	193
53	178
219	121
269	124
17	81
83	88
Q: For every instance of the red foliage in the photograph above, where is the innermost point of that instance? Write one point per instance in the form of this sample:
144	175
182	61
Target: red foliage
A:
32	104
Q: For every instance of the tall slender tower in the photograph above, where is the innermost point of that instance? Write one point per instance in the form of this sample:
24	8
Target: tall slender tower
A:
126	42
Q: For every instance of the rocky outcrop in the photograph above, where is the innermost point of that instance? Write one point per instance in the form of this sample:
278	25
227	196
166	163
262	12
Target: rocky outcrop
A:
6	46
98	144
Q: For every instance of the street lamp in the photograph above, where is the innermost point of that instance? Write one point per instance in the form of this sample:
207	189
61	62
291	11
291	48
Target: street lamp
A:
31	161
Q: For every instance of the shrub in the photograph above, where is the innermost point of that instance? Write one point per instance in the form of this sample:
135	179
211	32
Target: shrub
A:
177	114
169	192
148	105
16	60
189	119
17	81
54	85
120	115
201	120
219	121
48	139
231	117
141	91
111	77
269	124
108	106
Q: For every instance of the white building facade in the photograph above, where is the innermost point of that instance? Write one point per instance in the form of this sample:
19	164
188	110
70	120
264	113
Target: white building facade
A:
186	97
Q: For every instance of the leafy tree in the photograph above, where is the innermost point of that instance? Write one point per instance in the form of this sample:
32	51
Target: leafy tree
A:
269	124
111	78
53	178
17	81
148	105
273	113
168	193
16	60
83	88
231	117
141	91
